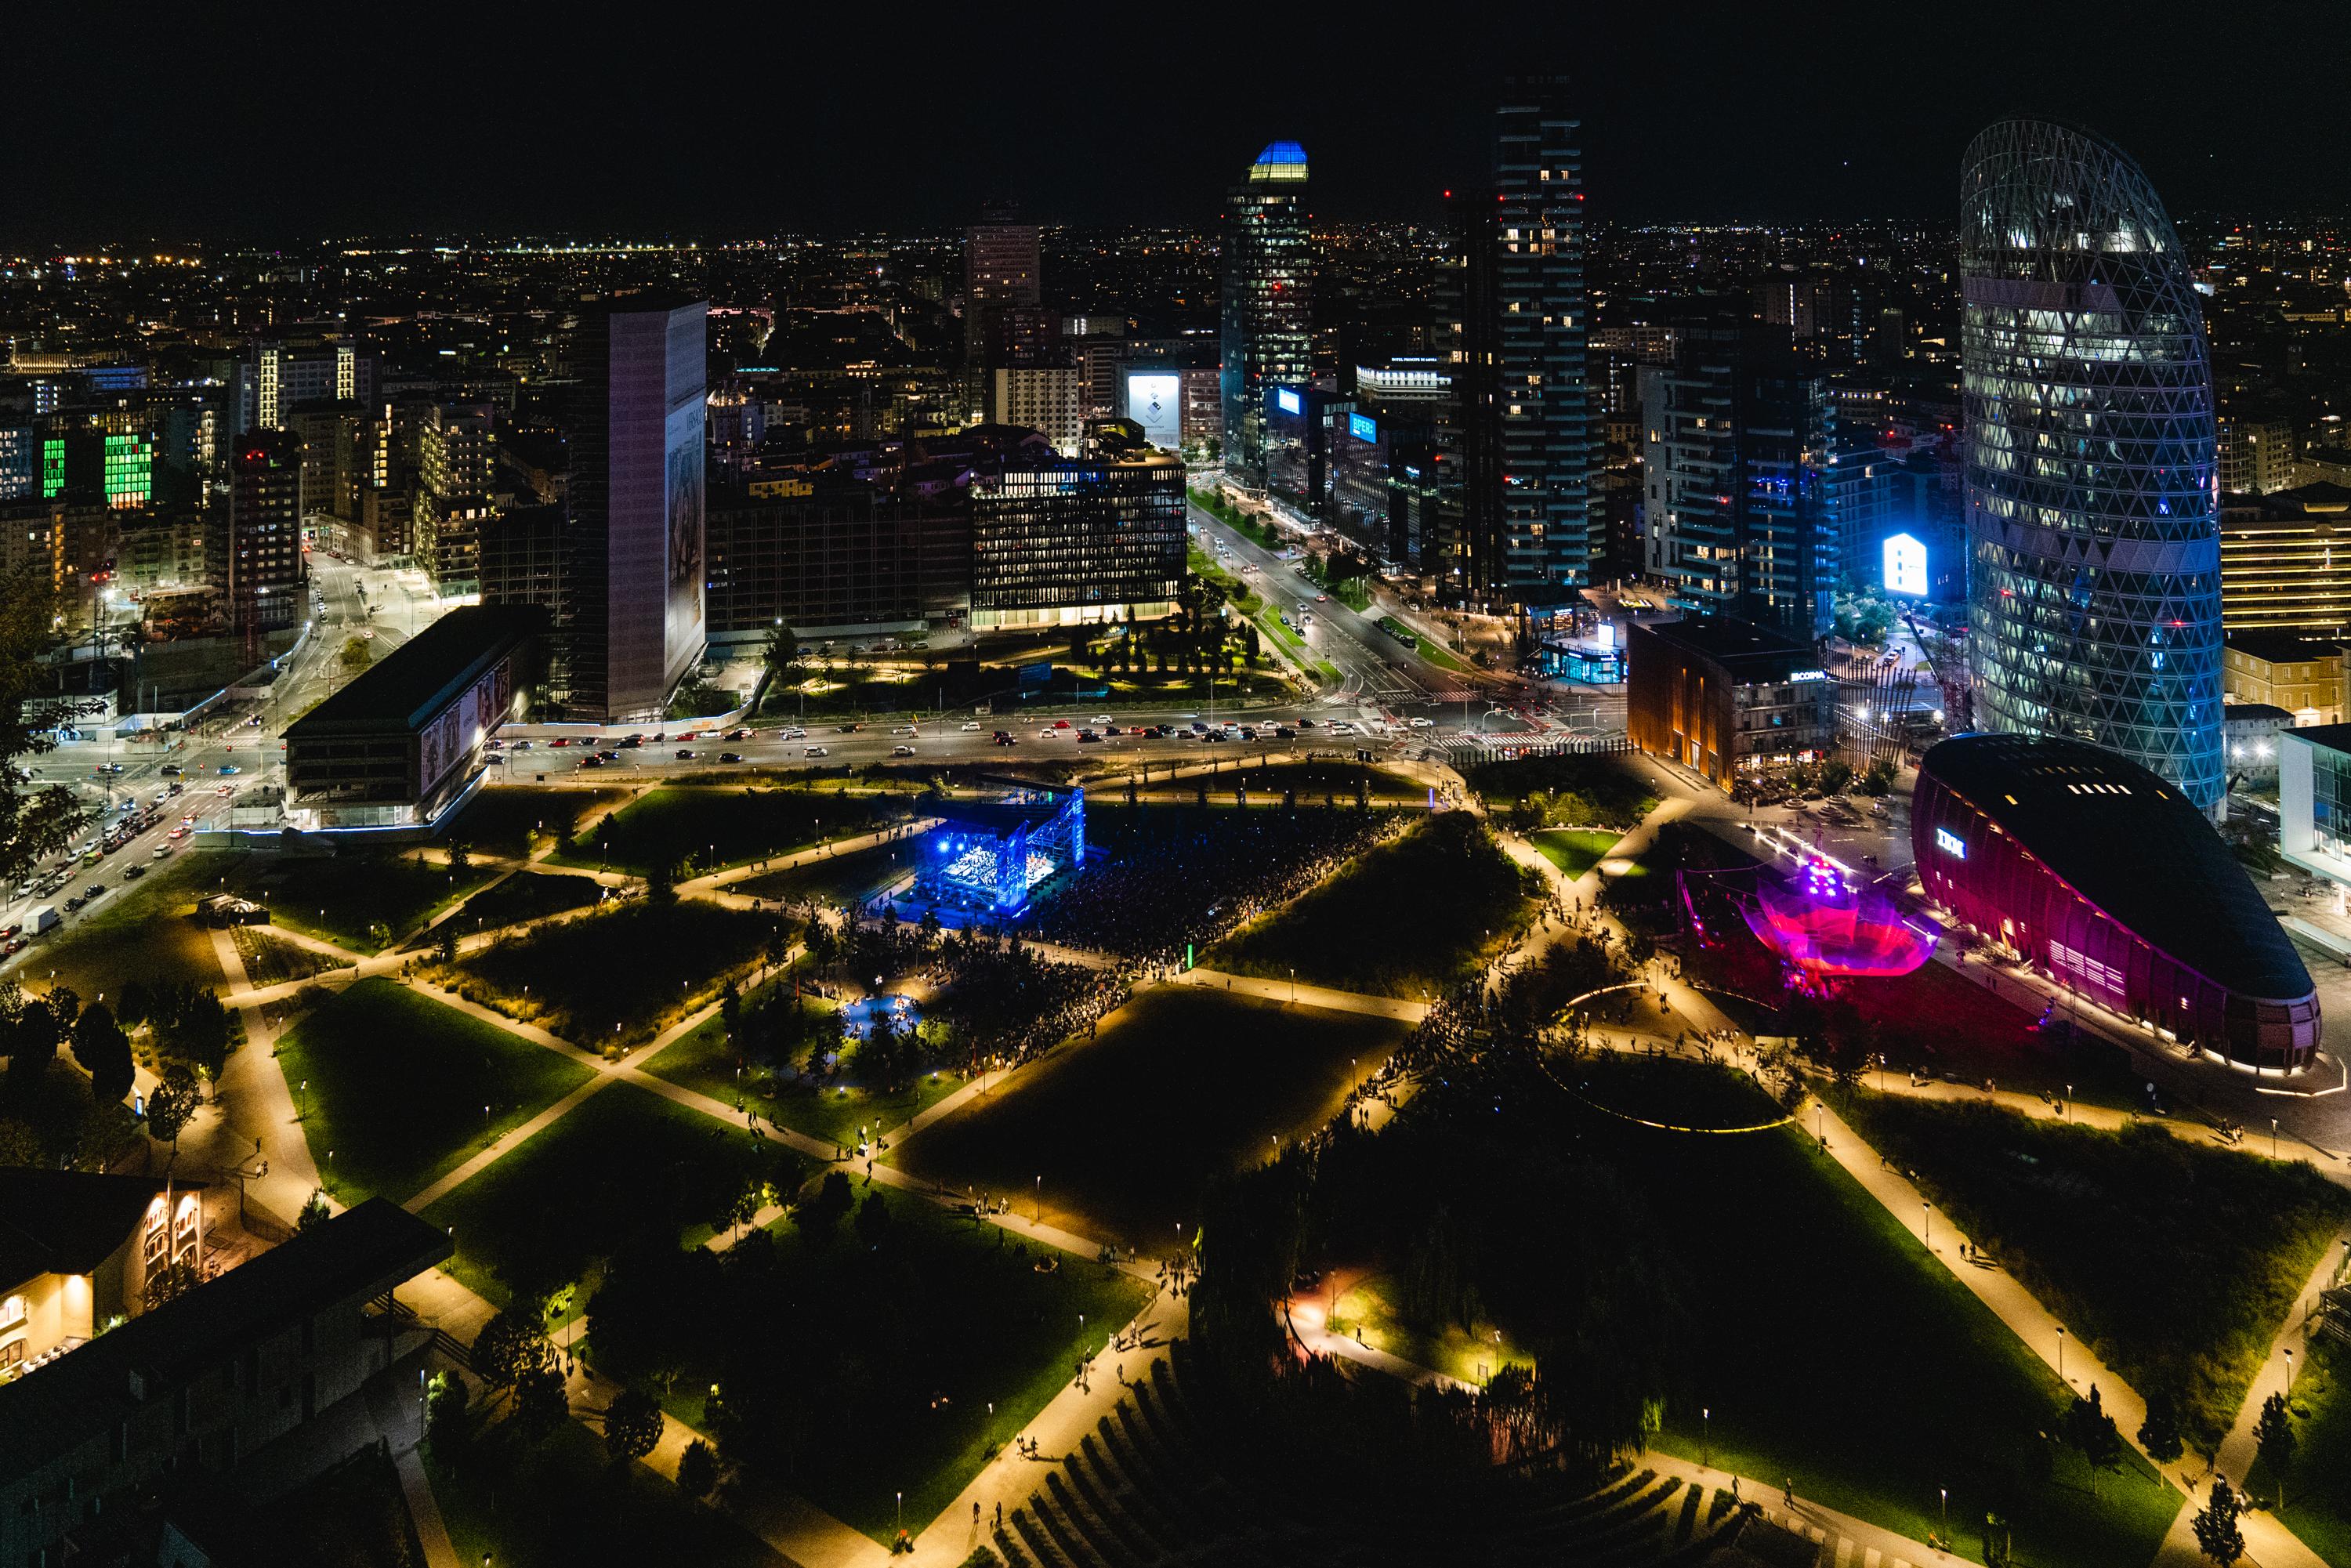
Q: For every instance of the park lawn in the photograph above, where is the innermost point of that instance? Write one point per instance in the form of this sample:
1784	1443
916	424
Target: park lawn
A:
1673	1091
1573	850
563	1502
397	1084
1436	653
1016	1335
1366	1310
1417	915
1181	1086
837	880
1576	791
1832	1351
501	822
618	976
713	827
144	931
2175	1261
2318	1491
362	903
527	895
625	1161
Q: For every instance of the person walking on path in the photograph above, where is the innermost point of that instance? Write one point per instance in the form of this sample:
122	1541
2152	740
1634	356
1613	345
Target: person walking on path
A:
1788	1490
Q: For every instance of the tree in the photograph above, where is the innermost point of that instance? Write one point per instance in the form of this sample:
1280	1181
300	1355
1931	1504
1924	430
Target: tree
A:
2089	1428
697	1471
510	1346
444	941
820	1214
170	1105
461	854
446	1416
632	1425
2273	1440
661	882
540	1405
2217	1534
35	821
355	655
314	1210
2159	1433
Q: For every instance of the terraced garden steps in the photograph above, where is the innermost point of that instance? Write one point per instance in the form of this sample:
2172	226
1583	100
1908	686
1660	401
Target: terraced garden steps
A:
1141	1490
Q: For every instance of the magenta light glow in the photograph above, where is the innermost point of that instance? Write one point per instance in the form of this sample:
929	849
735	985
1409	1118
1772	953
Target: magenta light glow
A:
1823	925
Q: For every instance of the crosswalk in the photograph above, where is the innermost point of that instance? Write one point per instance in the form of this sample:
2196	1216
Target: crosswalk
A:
1493	745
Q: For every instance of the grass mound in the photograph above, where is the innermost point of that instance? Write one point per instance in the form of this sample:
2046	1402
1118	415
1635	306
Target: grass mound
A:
1421	912
2176	1262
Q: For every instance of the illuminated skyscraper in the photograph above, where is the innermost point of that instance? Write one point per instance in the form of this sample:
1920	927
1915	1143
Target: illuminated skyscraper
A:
1515	328
1268	292
2094	596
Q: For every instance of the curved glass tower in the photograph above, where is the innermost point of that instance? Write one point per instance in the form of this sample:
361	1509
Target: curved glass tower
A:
2095	590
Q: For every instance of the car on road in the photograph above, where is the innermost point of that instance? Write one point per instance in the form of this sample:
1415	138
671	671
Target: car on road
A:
849	729
737	734
971	727
230	770
1321	599
162	852
522	745
1087	738
906	729
133	873
795	733
1007	740
633	740
818	751
1283	732
225	790
901	751
730	757
1423	724
170	770
685	755
1061	723
561	741
592	760
1102	718
1046	734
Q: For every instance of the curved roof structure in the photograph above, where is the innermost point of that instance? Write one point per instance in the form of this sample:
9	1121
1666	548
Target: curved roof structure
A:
2132	844
1280	161
1822	924
2091	457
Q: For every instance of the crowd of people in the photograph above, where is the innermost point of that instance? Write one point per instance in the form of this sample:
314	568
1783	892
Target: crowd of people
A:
1008	1003
1189	876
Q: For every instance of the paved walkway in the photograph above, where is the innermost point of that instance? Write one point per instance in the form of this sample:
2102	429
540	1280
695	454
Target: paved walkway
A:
1303	994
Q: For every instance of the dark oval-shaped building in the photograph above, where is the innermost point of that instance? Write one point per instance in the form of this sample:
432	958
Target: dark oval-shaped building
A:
2107	877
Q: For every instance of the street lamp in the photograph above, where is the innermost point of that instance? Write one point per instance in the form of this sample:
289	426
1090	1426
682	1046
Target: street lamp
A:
1041	1199
2060	1353
2289	1374
1706	1436
1926	1223
1947	1511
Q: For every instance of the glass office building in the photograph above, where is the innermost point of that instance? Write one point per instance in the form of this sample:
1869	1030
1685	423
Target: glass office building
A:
2095	598
1268	286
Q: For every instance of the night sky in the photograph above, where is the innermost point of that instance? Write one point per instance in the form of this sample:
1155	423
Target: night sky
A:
255	123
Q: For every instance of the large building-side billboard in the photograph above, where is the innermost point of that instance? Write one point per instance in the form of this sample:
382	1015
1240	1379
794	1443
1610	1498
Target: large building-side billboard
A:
1905	565
1154	400
682	618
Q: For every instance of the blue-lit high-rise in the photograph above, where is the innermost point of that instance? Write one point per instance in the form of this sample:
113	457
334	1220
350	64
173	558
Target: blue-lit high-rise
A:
2095	587
1268	291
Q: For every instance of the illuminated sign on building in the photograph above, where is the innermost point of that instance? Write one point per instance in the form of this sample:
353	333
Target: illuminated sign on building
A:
1808	675
1905	564
1363	427
1285	400
1155	401
1950	844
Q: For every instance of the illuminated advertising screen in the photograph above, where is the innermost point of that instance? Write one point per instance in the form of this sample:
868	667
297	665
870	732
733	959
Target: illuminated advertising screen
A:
1285	400
1363	427
1905	564
682	468
1155	401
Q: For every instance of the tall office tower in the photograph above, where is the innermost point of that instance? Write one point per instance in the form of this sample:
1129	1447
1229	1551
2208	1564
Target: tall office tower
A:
274	379
1268	294
632	612
254	557
1002	277
1741	518
456	468
1516	331
2095	601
